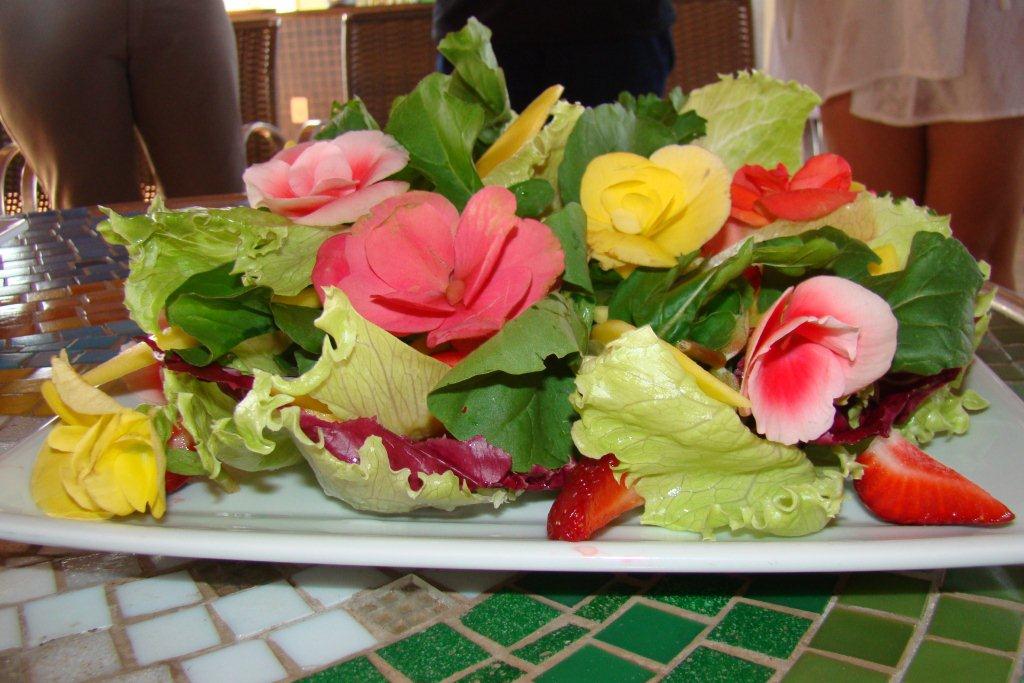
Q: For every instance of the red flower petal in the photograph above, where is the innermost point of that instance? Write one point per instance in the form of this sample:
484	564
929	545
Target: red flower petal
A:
827	171
805	205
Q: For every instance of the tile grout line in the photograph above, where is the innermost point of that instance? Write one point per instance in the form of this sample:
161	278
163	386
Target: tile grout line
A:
921	630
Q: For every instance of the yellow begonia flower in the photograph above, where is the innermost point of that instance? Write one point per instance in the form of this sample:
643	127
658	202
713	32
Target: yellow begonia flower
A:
646	212
102	459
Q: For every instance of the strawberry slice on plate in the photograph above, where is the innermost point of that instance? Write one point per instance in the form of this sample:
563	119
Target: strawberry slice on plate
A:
904	485
592	497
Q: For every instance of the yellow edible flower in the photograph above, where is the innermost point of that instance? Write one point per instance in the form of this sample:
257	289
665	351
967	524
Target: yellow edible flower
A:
646	212
101	460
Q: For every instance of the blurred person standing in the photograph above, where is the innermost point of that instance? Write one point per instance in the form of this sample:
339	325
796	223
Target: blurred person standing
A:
78	79
925	99
595	48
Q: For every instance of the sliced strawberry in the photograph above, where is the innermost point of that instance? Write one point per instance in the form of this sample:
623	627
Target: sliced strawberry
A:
904	485
173	482
591	498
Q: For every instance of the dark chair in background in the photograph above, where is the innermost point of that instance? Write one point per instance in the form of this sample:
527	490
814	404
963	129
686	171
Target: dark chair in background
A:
711	37
386	51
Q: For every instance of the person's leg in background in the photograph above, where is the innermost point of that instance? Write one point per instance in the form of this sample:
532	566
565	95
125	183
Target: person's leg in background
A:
976	175
885	158
184	77
64	97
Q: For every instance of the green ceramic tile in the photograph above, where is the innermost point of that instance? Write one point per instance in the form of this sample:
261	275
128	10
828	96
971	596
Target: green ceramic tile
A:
814	668
433	654
606	604
508	617
651	633
761	630
594	665
936	661
865	636
974	622
809	592
568	589
493	672
358	670
1005	583
887	592
701	593
551	644
711	666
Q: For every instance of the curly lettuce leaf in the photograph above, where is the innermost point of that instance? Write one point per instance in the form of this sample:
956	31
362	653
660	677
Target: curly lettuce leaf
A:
166	248
689	456
211	417
753	118
947	411
364	371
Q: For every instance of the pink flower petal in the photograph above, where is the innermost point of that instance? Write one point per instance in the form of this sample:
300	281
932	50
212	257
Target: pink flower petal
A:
793	390
371	154
349	208
295	207
412	250
489	216
266	180
854	305
488	315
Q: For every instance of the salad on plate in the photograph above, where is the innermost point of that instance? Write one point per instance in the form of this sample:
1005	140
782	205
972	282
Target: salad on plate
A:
653	303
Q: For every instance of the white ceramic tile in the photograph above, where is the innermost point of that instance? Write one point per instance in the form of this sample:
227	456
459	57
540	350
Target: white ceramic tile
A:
10	629
331	586
248	662
25	583
257	609
323	639
172	635
89	570
66	614
154	674
469	584
157	594
74	659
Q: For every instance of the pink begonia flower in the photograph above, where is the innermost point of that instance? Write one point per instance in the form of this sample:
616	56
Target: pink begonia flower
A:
823	339
414	265
329	182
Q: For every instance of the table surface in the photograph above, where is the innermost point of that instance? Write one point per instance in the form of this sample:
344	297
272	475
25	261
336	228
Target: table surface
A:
74	615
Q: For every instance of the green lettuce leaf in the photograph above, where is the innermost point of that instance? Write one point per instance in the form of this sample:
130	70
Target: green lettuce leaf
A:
947	411
514	389
754	119
364	371
570	227
533	197
439	130
689	456
353	115
209	415
166	248
542	155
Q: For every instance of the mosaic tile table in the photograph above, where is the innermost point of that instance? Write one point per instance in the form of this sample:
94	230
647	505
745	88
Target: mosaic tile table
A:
70	615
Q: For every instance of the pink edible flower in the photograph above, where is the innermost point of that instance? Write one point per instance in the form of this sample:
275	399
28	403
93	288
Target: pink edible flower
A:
823	339
414	265
329	182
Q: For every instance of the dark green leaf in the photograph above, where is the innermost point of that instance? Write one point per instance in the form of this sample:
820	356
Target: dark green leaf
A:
216	309
933	301
439	130
715	325
533	197
823	249
477	78
352	115
639	297
297	323
514	389
570	226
